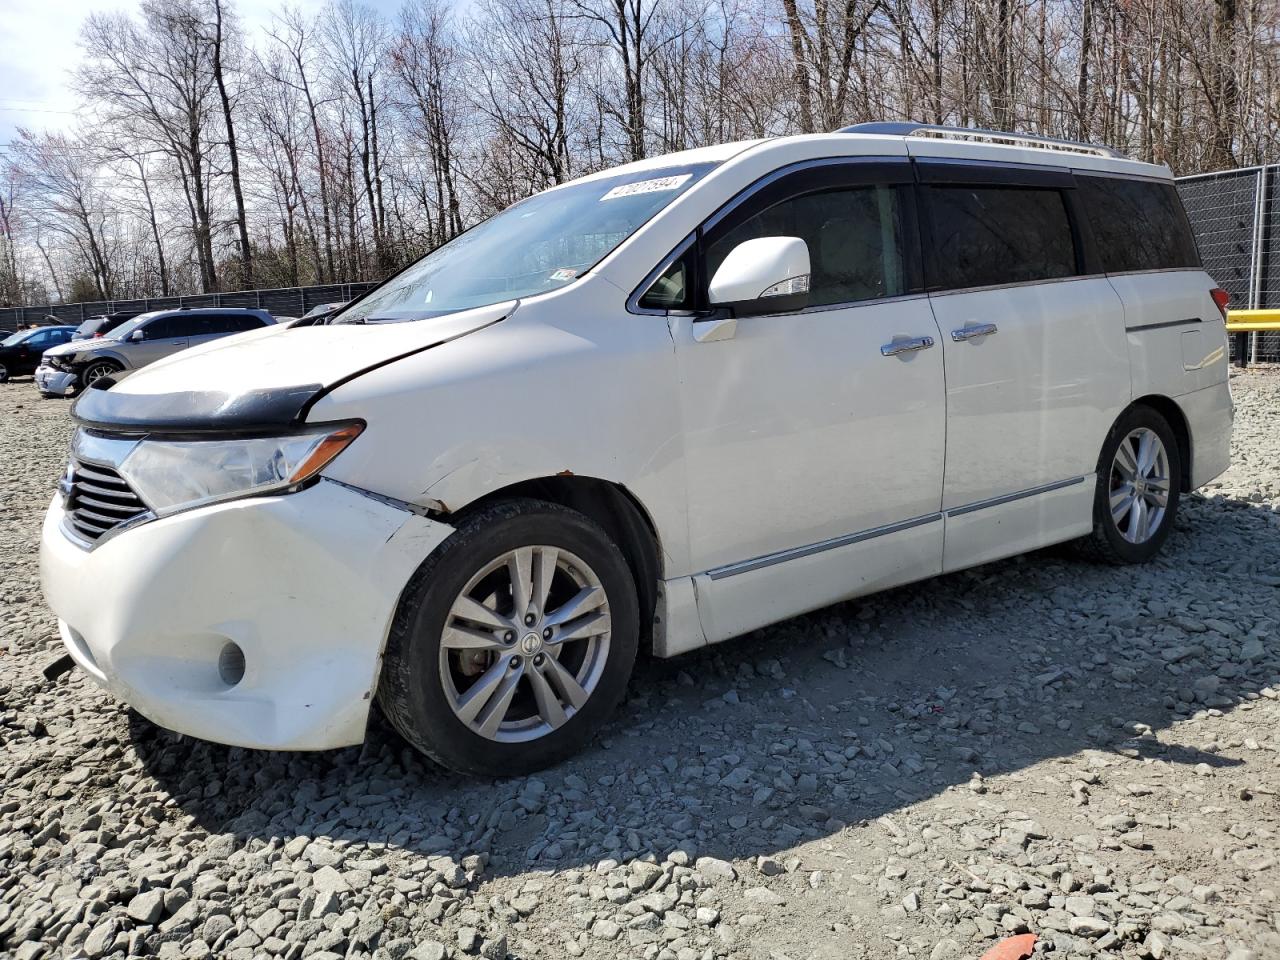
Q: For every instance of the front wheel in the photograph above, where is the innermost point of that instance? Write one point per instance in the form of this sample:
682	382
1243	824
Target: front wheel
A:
97	370
513	642
1138	487
4	373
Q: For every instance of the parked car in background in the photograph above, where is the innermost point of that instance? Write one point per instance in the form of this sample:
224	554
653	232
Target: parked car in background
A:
20	352
100	326
135	343
662	405
321	309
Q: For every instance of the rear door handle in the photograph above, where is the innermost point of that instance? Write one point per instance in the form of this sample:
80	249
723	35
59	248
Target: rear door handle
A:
972	331
906	345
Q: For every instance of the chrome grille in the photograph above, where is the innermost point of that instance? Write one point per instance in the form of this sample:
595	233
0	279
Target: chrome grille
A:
99	499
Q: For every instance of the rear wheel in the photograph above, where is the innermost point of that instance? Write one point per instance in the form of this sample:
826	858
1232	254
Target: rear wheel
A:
1138	488
99	369
4	373
513	642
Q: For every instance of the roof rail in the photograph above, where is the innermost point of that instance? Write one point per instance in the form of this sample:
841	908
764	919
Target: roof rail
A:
974	134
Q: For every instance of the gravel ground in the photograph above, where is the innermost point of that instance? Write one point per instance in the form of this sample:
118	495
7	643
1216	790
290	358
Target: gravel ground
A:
1044	745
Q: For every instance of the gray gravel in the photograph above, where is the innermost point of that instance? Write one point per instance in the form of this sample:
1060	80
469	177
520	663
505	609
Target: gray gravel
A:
1084	752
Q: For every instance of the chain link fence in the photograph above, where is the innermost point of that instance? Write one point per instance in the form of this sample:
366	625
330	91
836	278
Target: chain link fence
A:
283	302
1236	219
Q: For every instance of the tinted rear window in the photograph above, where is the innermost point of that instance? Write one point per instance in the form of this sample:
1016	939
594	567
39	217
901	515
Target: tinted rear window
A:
1138	225
983	236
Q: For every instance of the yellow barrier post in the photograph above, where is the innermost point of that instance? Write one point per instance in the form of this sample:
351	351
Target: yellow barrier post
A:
1241	323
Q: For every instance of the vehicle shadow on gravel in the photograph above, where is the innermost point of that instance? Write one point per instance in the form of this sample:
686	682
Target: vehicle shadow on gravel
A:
824	722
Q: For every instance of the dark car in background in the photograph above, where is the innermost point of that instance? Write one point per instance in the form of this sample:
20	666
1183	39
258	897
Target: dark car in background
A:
100	326
20	352
144	339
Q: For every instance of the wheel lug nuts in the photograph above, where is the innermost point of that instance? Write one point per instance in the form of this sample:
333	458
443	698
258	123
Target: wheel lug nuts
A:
546	634
529	620
509	636
537	661
513	662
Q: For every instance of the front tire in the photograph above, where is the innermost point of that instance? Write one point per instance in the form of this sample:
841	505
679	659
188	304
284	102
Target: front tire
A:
4	373
1138	488
513	642
97	370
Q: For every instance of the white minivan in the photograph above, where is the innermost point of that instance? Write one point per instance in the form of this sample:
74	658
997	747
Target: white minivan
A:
660	406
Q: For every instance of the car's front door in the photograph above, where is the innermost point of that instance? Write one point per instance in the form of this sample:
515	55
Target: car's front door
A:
160	338
814	441
31	349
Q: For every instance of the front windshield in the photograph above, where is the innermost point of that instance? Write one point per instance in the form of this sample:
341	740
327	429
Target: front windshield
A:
126	328
537	245
16	338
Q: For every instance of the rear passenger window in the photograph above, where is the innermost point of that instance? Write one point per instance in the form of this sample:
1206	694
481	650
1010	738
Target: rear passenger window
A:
984	236
1138	225
853	235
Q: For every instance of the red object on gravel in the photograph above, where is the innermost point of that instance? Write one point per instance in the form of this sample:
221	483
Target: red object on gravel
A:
1014	948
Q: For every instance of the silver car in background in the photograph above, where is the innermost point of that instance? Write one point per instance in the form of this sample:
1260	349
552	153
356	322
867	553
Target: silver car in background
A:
148	337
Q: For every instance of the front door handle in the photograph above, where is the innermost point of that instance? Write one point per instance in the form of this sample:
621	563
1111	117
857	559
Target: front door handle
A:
906	345
972	331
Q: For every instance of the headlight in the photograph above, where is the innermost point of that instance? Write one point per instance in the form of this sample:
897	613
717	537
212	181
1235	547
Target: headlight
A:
173	475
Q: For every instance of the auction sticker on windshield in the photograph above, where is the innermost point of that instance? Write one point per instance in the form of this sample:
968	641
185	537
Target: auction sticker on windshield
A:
658	185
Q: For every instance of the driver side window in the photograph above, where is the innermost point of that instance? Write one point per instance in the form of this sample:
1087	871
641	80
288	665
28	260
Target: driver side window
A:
166	328
853	235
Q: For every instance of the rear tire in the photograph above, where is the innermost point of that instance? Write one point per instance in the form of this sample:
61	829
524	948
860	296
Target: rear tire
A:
1138	488
488	677
4	373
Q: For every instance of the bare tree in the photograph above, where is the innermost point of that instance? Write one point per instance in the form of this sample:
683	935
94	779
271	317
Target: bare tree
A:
340	145
220	45
155	83
67	199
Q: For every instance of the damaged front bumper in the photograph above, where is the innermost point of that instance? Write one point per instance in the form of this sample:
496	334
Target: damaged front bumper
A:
257	622
53	382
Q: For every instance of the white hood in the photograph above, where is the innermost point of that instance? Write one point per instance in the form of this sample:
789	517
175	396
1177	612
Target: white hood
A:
283	356
264	379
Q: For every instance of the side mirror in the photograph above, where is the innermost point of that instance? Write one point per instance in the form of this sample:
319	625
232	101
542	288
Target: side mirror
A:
765	275
137	336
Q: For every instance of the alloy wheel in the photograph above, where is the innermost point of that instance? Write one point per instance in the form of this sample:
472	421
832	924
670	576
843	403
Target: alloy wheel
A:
97	372
1140	483
525	644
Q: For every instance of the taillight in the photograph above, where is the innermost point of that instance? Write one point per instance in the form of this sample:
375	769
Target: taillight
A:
1221	298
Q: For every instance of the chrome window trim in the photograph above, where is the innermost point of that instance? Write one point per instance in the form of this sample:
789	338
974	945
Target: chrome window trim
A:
822	546
952	291
848	304
1139	273
1115	175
